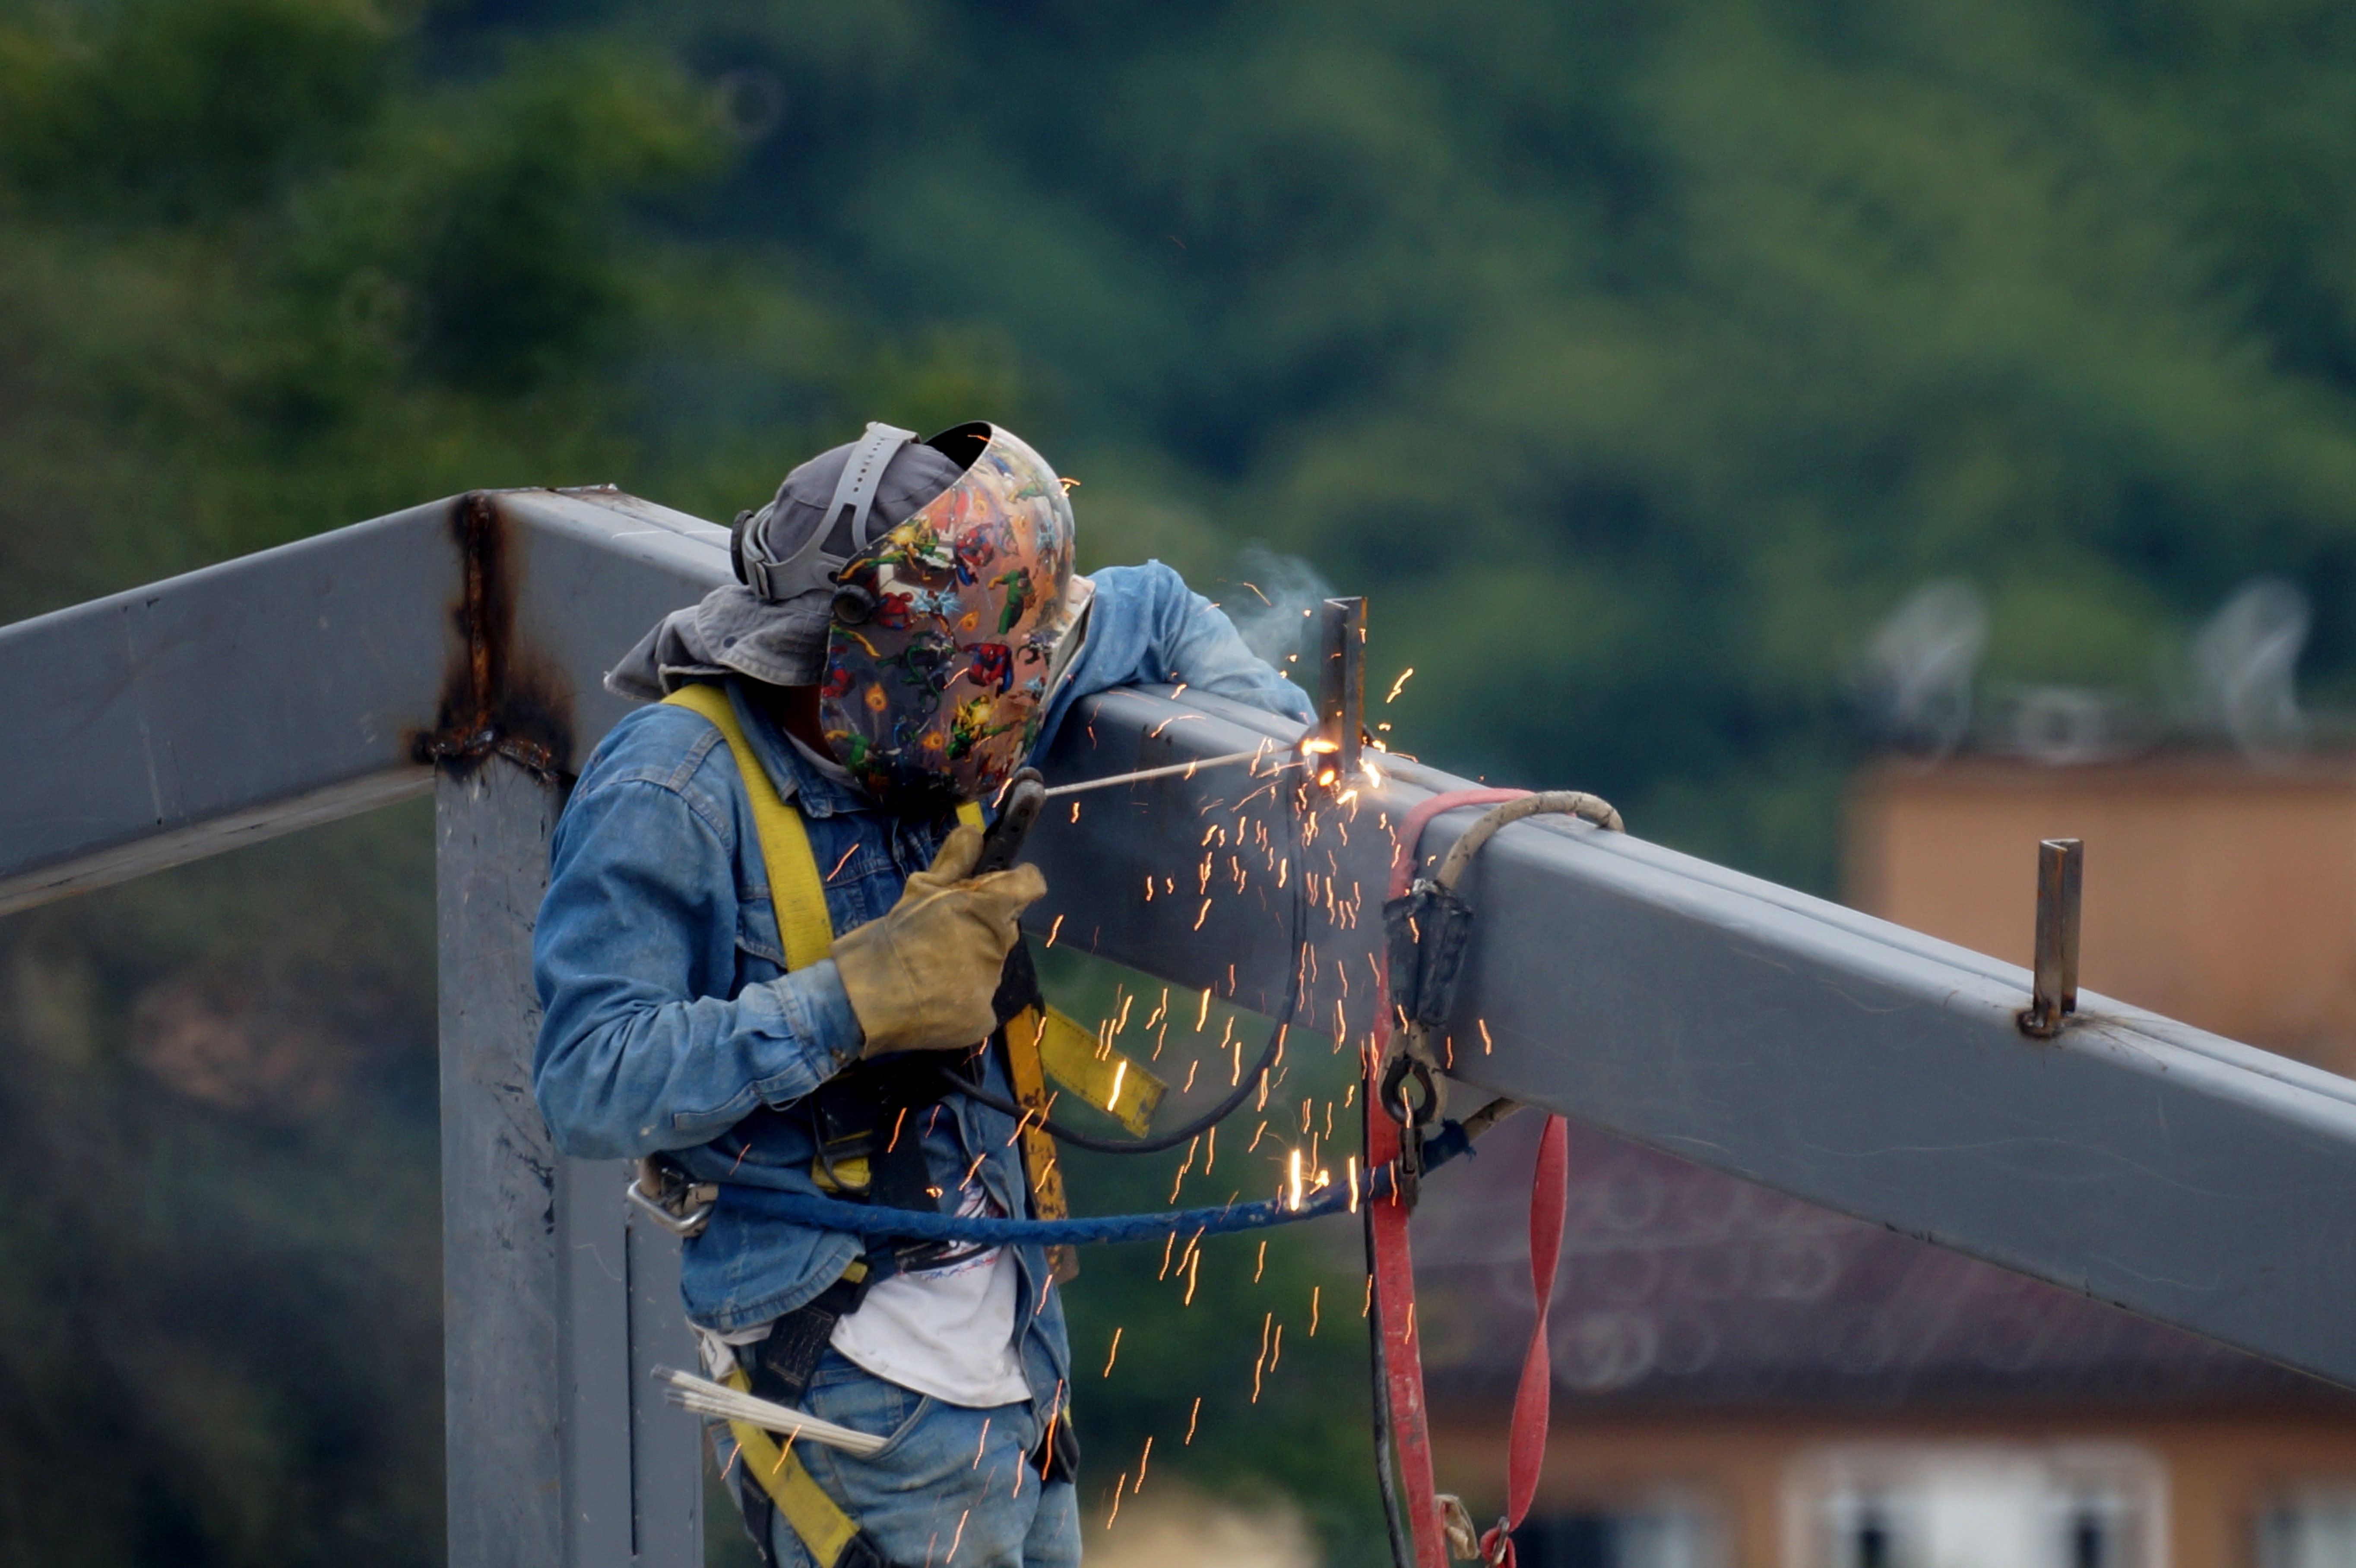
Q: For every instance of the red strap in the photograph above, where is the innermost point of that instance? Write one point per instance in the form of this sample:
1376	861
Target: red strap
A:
1394	1263
1550	1193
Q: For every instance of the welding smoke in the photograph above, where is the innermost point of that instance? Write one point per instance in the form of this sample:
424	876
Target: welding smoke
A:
1271	598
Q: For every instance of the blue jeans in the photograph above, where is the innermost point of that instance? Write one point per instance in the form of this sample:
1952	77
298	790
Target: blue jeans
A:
952	1487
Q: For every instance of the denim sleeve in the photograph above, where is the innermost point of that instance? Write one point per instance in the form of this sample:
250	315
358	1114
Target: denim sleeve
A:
641	1047
1147	626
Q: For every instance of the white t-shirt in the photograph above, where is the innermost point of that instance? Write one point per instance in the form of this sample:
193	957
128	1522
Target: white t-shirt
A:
946	1331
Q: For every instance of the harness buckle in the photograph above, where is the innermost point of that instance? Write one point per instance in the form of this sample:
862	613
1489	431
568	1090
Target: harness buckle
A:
667	1196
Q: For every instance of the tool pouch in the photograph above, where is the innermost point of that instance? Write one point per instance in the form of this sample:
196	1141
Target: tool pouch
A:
1057	1457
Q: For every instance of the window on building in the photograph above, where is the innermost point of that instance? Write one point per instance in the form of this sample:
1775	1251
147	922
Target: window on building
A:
1663	1534
1953	1506
2313	1529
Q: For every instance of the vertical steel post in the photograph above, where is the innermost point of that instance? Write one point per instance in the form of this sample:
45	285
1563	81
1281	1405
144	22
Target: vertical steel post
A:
552	1308
2060	878
1342	682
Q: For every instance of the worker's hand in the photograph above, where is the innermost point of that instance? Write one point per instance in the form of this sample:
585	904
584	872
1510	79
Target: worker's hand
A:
922	978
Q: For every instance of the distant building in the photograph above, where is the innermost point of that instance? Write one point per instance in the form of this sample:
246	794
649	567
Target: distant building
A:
1745	1381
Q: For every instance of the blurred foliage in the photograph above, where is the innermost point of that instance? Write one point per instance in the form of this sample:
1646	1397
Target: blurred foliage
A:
1634	357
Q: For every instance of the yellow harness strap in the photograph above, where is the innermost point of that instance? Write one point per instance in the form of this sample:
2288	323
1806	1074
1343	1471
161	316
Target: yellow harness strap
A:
797	892
816	1516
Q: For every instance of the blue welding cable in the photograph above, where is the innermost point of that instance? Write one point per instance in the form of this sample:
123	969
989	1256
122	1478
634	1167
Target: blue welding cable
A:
916	1224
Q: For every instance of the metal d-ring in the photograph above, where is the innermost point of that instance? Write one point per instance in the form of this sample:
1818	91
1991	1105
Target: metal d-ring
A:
1395	1076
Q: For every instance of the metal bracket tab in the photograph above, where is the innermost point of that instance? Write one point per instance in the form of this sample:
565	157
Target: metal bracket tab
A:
2060	878
1341	686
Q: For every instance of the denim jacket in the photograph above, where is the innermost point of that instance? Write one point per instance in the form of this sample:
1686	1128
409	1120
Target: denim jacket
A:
669	1020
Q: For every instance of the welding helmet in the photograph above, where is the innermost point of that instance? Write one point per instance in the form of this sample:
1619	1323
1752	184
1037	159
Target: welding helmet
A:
952	629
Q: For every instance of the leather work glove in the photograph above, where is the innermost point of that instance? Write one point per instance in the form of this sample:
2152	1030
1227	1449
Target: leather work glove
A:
923	977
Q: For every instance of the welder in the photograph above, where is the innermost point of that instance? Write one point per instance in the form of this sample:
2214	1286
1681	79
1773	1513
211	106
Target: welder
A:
764	958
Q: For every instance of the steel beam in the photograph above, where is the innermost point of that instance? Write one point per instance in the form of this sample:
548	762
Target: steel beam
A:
1782	1039
302	684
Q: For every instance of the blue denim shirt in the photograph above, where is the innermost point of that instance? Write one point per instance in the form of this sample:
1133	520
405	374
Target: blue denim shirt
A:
670	1023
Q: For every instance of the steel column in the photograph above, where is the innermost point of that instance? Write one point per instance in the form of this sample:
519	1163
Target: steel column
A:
554	1310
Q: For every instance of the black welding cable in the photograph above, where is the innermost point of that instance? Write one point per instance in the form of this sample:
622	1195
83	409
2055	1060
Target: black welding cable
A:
1245	1086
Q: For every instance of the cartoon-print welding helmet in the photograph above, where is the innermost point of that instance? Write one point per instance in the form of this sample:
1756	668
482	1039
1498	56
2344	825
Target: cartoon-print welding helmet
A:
952	630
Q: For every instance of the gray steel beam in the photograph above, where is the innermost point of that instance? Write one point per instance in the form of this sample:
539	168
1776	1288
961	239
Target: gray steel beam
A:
1782	1039
296	686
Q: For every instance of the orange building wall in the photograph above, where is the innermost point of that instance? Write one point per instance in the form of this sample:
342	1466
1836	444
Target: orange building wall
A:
2215	892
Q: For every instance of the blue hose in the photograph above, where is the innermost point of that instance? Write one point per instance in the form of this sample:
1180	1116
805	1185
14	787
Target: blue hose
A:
866	1219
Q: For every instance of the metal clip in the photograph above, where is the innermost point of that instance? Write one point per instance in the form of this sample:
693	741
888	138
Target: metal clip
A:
679	1206
1427	927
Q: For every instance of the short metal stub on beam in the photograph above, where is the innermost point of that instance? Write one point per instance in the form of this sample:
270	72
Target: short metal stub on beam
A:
1341	687
2060	878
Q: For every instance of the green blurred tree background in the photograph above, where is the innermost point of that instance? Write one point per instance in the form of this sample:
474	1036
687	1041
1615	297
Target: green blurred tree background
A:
1635	359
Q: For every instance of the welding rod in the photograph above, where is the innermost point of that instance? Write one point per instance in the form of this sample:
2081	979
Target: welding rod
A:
1173	770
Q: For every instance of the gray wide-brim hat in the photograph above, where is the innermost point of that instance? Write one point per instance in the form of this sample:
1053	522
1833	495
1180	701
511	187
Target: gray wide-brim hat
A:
780	641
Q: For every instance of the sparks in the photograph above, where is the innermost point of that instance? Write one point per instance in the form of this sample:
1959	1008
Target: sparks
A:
1400	682
1312	1310
1191	1417
1203	1016
1261	1266
1114	1354
1293	1180
1054	931
1487	1045
1119	1071
1353	1168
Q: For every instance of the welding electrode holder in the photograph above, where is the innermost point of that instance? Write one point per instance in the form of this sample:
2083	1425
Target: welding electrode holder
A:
1018	807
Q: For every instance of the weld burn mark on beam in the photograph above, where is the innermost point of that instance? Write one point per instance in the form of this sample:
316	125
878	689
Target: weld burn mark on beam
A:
498	698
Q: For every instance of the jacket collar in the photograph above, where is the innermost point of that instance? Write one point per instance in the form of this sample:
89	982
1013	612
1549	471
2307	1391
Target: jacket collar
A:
810	790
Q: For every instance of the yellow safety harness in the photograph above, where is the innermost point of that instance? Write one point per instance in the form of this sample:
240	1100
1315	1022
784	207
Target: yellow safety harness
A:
1040	1041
